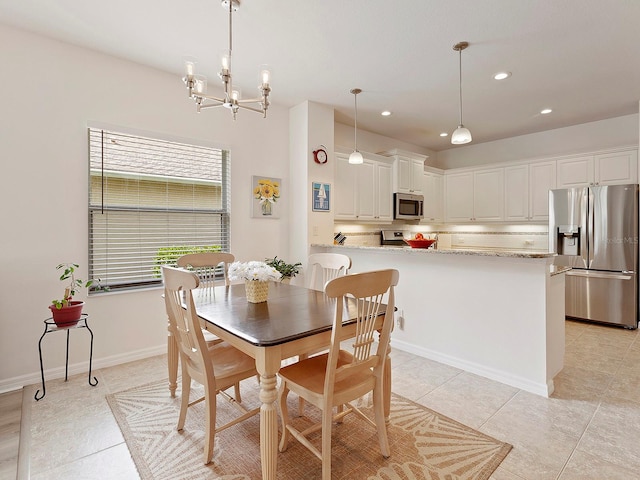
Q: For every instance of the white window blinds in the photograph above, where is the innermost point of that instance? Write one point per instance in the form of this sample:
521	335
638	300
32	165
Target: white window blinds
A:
150	201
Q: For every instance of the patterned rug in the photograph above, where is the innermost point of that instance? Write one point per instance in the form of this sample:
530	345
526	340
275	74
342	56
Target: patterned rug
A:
424	444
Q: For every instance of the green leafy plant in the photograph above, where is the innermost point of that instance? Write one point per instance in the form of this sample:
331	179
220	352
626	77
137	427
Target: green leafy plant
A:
287	270
69	273
169	255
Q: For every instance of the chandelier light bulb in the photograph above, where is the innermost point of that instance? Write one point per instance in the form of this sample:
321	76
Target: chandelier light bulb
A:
265	75
200	84
189	67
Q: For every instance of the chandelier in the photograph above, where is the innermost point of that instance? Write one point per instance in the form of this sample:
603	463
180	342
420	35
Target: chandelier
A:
197	84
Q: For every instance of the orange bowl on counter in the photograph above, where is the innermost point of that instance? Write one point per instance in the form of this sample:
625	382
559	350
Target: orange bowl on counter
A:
423	243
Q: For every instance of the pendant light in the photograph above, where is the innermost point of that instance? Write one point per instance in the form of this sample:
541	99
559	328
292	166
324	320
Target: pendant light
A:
356	157
461	135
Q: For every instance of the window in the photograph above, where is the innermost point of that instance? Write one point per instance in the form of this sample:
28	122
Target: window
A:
150	201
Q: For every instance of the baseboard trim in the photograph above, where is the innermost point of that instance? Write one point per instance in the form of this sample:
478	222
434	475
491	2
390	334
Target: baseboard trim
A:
543	389
16	383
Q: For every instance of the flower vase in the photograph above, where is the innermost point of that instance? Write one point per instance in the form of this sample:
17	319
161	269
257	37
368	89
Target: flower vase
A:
266	207
257	291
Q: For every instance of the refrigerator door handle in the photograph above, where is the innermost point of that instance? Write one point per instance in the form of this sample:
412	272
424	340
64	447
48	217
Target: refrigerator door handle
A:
591	274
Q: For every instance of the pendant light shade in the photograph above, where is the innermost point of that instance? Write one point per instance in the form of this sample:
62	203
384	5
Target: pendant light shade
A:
356	157
461	135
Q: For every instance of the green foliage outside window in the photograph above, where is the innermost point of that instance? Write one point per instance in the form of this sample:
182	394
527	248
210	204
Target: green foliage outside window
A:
169	255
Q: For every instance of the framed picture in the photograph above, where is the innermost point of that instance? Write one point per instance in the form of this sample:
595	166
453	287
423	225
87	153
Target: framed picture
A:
265	192
321	197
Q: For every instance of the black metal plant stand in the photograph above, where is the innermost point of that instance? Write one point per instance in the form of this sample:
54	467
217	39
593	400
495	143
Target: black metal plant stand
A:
49	327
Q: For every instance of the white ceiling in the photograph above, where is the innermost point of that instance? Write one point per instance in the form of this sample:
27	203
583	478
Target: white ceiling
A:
579	57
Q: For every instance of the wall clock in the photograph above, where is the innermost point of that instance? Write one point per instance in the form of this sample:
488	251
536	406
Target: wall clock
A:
320	156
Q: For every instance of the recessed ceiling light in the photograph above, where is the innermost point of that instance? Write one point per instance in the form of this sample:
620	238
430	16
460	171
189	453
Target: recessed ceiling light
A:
444	134
386	113
544	111
502	75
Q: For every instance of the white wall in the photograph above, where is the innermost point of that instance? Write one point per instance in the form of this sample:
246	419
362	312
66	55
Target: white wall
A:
50	91
587	137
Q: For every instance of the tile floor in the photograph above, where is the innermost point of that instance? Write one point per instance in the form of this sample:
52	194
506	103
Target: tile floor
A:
589	429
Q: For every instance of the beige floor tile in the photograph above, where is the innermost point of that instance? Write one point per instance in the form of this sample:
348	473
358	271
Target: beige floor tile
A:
625	385
417	377
502	474
582	466
132	374
540	450
482	398
614	433
113	463
591	360
576	383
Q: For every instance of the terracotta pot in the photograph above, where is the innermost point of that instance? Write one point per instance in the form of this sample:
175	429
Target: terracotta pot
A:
68	315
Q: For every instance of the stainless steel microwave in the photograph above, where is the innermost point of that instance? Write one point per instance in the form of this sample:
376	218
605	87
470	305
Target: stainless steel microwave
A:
407	206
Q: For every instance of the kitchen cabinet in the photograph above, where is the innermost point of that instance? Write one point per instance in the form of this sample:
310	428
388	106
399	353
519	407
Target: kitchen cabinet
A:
526	191
408	171
475	195
363	192
613	168
433	191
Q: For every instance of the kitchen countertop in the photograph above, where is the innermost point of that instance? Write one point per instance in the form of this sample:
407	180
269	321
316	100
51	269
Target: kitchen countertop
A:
447	251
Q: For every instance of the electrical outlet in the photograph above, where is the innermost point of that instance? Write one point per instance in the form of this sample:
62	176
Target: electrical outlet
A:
315	230
400	319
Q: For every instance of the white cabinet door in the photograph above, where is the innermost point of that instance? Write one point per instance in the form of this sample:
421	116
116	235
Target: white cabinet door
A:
384	192
432	189
345	199
367	194
407	174
516	192
458	197
488	195
616	168
417	173
542	178
575	172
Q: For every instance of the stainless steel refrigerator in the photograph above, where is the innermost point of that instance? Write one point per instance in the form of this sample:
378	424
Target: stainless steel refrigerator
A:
594	230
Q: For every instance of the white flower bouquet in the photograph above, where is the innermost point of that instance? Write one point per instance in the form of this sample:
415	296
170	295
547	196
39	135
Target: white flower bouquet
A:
253	270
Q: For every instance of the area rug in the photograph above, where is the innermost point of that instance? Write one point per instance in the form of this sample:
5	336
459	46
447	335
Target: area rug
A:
424	444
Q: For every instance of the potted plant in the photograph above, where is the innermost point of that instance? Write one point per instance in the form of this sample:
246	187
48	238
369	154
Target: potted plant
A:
67	311
287	270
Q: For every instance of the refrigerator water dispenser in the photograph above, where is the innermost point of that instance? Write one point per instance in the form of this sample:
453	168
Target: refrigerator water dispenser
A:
568	240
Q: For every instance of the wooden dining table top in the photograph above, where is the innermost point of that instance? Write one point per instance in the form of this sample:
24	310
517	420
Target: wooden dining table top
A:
290	312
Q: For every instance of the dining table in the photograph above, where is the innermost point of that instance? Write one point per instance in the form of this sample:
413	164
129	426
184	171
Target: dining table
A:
293	321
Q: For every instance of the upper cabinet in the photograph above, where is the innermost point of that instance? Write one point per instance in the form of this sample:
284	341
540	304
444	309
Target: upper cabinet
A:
602	169
408	171
526	191
433	191
475	195
363	192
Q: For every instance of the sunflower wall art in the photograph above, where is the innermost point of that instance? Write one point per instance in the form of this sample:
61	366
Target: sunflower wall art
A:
266	195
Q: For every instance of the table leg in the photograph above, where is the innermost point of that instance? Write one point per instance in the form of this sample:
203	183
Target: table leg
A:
268	367
172	362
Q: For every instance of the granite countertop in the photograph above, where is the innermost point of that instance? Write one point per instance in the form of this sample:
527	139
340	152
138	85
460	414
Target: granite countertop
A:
448	251
556	270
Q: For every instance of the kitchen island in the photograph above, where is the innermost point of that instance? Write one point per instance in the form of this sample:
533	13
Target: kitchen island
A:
495	313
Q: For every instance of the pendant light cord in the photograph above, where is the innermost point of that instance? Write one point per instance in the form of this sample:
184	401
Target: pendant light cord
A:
460	82
355	123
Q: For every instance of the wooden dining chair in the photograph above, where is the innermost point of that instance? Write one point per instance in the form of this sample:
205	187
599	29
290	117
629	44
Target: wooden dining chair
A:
339	377
217	367
326	266
209	266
